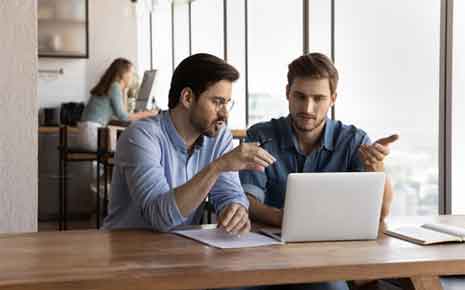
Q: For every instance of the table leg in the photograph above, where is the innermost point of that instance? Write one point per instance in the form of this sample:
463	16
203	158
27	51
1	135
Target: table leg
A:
426	283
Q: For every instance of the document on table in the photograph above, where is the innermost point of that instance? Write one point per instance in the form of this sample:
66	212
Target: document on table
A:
218	238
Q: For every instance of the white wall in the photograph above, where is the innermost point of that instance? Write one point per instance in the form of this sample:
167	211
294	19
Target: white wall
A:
113	32
18	108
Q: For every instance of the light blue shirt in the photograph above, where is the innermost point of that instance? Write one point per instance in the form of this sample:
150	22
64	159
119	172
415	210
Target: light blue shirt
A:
151	161
338	152
101	109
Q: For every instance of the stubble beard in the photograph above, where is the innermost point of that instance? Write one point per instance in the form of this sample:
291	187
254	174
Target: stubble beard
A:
307	130
204	127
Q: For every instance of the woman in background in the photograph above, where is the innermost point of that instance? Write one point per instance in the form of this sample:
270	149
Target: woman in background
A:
106	102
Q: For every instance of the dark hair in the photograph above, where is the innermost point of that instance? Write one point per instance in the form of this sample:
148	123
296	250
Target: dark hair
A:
113	73
199	72
313	65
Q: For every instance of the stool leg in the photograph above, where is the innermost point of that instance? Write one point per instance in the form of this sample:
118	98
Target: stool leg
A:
105	191
60	191
65	195
97	200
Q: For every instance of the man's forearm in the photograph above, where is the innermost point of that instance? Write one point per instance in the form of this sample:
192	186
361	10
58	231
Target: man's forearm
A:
191	194
388	192
263	213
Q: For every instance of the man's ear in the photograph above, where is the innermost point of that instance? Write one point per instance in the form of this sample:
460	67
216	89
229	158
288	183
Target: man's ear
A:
187	97
333	99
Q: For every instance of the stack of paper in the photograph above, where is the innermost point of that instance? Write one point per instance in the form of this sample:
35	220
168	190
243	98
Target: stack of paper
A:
220	239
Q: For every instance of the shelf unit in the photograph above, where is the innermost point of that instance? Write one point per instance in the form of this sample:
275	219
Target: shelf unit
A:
63	28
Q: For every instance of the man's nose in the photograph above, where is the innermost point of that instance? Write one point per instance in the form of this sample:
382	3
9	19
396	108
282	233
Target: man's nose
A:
309	105
223	112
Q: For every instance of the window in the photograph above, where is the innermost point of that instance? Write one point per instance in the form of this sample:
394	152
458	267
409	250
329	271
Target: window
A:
320	26
458	110
181	31
162	52
207	27
236	57
274	40
387	53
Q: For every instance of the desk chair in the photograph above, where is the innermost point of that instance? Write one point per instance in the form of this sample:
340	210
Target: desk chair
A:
68	154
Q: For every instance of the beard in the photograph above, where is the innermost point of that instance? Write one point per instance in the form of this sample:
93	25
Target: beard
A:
206	127
305	128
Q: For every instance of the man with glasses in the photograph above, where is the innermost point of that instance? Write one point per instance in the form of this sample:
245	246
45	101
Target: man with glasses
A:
166	166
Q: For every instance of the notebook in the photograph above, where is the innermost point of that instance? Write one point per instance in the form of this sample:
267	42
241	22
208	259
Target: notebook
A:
429	234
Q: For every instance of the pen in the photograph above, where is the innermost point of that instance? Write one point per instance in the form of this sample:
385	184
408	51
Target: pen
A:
264	142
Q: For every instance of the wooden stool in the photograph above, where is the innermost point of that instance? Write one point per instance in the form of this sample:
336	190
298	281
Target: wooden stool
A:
68	154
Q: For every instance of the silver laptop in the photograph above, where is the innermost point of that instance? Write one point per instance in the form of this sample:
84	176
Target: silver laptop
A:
331	207
144	96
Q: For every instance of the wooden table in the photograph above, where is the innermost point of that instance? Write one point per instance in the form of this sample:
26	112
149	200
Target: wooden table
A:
146	260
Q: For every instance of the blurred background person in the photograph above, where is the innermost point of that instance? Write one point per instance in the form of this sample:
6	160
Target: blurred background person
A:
107	103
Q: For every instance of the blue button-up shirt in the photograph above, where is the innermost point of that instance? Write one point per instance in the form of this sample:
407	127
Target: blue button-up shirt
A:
151	160
338	152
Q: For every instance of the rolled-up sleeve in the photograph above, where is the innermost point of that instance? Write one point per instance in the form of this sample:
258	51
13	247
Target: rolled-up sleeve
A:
253	182
227	189
140	162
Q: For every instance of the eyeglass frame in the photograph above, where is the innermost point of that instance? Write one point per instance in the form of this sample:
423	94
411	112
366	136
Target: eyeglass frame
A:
220	103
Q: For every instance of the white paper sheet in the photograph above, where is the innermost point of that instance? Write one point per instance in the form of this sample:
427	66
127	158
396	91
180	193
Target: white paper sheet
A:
220	239
446	229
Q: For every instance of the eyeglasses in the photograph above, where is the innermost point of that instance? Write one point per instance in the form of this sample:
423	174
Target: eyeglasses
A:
221	103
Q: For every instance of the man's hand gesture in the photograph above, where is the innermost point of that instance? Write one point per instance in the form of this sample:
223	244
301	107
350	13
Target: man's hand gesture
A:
246	156
373	155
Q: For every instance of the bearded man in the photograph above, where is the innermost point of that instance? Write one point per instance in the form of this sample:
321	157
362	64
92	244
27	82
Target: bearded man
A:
167	165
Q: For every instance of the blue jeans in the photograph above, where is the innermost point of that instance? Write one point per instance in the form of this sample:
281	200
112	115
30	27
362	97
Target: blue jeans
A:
338	285
453	282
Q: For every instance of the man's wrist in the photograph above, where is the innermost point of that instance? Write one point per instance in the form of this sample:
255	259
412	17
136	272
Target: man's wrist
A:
375	168
218	165
239	204
227	206
272	215
278	217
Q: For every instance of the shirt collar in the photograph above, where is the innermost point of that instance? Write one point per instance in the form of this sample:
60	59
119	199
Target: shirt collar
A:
174	136
289	139
328	139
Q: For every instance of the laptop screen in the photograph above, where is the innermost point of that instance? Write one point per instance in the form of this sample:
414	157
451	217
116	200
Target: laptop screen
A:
143	97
